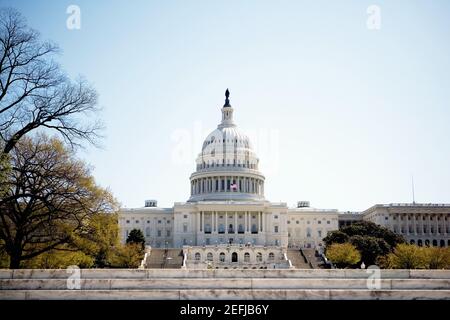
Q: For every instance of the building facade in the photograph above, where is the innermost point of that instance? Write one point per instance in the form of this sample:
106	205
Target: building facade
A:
227	207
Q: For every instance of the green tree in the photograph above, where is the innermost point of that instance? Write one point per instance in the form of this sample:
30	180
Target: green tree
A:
370	247
343	254
335	237
370	229
137	237
371	240
50	199
437	258
127	256
407	256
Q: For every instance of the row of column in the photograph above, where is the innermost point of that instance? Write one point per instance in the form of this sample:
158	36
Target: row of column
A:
239	165
417	223
247	216
227	184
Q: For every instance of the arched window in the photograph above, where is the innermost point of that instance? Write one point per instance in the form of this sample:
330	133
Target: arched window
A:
222	257
259	257
209	256
427	243
246	257
197	256
412	242
419	242
442	243
234	257
241	228
271	256
230	228
435	243
221	228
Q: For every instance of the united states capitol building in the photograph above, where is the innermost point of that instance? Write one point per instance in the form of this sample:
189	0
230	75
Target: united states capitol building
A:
228	221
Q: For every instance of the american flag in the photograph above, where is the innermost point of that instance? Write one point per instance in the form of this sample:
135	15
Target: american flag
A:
234	186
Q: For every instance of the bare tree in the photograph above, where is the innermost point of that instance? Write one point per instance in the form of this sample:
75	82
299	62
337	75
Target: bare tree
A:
35	92
49	199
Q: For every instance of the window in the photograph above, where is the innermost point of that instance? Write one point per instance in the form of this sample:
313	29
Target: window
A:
221	228
275	229
297	222
197	256
271	256
185	227
275	217
137	221
234	257
167	233
207	228
184	242
319	222
222	257
246	257
185	216
147	231
159	221
128	221
148	221
207	241
288	222
386	218
241	229
209	256
159	233
319	233
328	221
259	257
168	221
254	228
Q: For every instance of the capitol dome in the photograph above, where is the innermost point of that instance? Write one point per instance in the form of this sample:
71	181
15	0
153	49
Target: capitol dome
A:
227	167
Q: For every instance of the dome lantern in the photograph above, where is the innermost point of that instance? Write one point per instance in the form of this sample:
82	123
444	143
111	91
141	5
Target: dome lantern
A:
227	112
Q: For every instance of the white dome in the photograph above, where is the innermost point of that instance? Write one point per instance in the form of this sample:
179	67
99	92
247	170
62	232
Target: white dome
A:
227	166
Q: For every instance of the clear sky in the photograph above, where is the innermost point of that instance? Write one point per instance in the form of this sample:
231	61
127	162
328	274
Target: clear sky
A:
349	113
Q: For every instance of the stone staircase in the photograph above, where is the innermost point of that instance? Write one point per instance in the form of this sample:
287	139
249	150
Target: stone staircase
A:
176	284
164	259
297	259
316	261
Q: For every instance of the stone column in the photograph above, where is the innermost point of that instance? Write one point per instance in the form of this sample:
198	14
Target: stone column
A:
407	224
263	226
235	222
202	221
226	222
259	222
245	221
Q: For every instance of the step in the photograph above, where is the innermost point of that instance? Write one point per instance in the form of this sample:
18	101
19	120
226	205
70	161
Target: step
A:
221	273
222	283
256	294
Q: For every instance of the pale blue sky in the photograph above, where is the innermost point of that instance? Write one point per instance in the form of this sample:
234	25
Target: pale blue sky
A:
356	111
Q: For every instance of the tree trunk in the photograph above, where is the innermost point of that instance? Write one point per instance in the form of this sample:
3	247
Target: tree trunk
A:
14	261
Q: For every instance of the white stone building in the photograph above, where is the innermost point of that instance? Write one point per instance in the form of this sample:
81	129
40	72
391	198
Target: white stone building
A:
227	207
